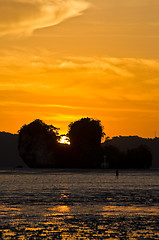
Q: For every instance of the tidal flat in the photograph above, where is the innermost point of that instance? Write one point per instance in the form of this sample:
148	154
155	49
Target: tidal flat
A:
79	204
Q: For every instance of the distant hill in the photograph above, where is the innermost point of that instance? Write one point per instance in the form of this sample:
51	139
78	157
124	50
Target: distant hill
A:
9	157
124	143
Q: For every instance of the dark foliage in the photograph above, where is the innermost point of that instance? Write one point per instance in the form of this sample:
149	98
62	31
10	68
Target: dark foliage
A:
114	157
139	157
125	143
85	131
39	147
35	140
85	138
63	156
38	127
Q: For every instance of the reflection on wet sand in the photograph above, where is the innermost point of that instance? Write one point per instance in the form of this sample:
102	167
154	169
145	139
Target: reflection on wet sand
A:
71	205
66	222
131	210
59	209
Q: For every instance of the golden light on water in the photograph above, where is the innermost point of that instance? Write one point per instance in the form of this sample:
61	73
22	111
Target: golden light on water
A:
136	210
61	222
59	209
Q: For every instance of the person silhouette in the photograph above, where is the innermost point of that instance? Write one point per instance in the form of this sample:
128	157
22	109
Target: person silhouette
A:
117	173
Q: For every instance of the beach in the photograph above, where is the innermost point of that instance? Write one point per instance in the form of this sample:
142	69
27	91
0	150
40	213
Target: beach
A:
79	204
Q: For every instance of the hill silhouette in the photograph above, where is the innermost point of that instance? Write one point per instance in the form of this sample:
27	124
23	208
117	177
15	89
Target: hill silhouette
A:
125	143
9	156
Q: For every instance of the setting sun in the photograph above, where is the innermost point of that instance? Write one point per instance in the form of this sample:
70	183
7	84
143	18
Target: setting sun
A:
64	140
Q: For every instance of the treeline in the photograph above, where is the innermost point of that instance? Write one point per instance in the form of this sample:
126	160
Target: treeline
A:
39	146
139	157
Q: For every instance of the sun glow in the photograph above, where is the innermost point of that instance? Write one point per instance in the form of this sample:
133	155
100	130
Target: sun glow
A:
44	75
64	140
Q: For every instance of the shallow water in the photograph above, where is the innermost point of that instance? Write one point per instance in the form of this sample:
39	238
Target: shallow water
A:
59	204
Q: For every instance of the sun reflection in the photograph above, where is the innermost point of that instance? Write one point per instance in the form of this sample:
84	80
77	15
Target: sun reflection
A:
60	209
61	222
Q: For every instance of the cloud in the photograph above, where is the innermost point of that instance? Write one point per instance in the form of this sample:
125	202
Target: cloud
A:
24	16
87	79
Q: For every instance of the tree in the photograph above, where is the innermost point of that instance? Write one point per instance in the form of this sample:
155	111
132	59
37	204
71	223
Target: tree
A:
113	156
85	139
139	157
37	144
86	131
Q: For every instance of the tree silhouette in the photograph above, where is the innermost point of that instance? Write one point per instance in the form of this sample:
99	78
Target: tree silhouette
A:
139	157
86	131
37	143
39	146
113	156
38	127
85	139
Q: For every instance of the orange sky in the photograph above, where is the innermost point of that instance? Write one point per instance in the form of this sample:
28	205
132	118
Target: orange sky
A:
61	60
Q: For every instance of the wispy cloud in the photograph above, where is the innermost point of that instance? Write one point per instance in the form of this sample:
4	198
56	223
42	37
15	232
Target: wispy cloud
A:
14	103
24	16
85	78
123	76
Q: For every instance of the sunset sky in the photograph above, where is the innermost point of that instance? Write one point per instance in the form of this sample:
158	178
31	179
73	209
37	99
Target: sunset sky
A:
61	60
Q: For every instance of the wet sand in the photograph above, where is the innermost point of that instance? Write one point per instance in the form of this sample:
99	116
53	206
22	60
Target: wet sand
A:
79	205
